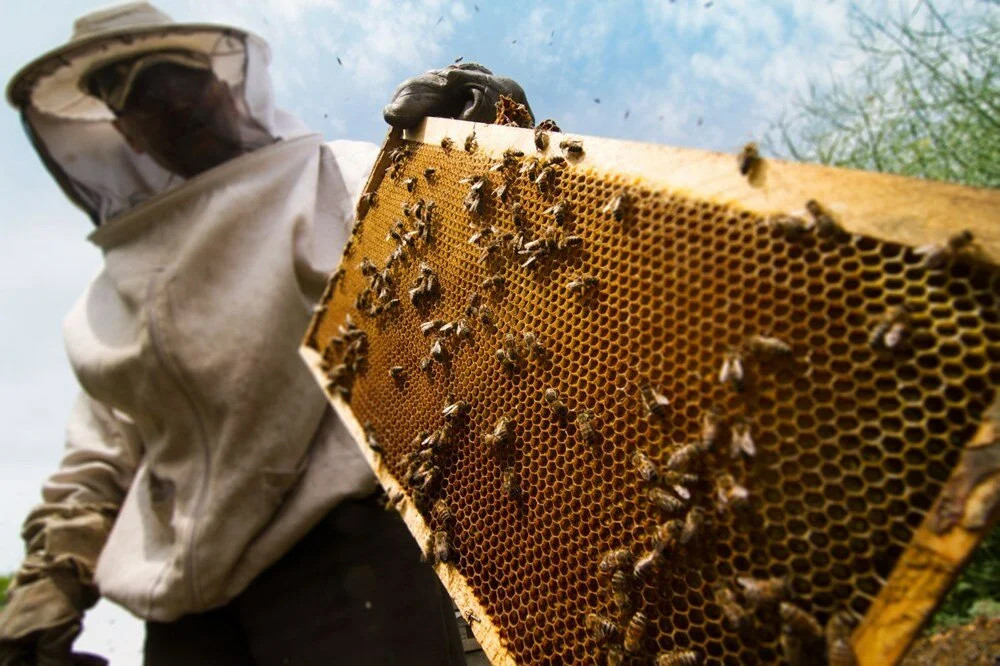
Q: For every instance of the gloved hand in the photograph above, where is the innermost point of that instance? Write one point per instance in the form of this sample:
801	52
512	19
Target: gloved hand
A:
467	92
54	585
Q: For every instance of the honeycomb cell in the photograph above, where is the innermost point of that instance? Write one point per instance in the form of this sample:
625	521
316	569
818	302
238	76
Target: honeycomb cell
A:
849	444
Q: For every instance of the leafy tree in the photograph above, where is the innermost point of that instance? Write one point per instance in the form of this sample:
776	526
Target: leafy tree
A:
924	102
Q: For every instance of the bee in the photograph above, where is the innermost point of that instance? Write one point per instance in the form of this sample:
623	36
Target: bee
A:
541	139
711	430
494	282
555	160
653	402
396	372
472	305
442	513
558	406
678	658
730	494
617	205
567	242
692	524
446	329
544	179
447	143
621	590
634	633
572	147
768	348
666	501
616	656
429	173
558	212
411	184
505	360
441	548
800	635
486	317
646	565
601	628
741	441
736	616
470	143
760	592
438	352
749	160
839	650
429	327
517	214
798	620
684	456
371	438
582	284
936	254
891	329
457	409
732	370
367	267
393	499
462	330
644	466
511	483
585	426
531	344
614	560
789	226
822	222
425	363
501	191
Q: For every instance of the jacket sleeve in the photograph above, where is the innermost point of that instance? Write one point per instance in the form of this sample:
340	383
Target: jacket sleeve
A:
79	502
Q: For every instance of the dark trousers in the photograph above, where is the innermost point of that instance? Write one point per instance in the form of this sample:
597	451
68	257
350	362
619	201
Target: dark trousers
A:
351	592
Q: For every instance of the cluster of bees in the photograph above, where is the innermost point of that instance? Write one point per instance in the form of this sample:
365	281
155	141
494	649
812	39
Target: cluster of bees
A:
684	487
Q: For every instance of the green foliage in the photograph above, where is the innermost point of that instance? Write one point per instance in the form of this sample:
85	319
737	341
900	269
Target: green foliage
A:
4	582
924	100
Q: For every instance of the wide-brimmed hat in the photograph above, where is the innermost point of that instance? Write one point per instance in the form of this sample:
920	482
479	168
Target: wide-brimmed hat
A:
56	83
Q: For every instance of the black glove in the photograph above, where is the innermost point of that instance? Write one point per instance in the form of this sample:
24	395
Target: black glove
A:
467	92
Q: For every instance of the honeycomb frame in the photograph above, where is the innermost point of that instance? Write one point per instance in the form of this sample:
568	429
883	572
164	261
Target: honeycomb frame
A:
895	557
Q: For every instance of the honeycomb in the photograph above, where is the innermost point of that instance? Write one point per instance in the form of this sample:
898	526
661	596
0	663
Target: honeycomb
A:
851	441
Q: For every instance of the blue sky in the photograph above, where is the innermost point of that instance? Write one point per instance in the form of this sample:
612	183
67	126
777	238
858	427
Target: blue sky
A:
685	73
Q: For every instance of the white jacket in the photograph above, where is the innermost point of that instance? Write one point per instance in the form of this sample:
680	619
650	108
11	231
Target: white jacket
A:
197	414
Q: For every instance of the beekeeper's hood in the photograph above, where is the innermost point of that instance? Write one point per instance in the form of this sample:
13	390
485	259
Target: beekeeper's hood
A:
72	129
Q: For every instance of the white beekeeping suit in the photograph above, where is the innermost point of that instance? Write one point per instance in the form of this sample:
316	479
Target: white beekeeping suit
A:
200	448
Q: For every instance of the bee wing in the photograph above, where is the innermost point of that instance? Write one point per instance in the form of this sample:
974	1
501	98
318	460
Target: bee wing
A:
681	491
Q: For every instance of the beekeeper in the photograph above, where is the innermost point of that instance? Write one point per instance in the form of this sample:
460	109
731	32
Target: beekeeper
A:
206	485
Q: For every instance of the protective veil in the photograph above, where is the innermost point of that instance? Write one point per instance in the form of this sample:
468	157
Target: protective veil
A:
197	419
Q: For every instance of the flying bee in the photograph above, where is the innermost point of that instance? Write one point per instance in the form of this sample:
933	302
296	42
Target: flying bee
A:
936	254
558	212
729	494
736	616
371	438
601	628
447	143
396	372
741	441
838	630
666	501
442	513
617	205
614	560
585	426
411	184
470	143
511	483
760	592
541	139
678	658
653	402
558	406
621	591
822	221
692	524
572	147
789	226
429	327
531	344
891	329
645	468
441	548
732	370
749	160
635	632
